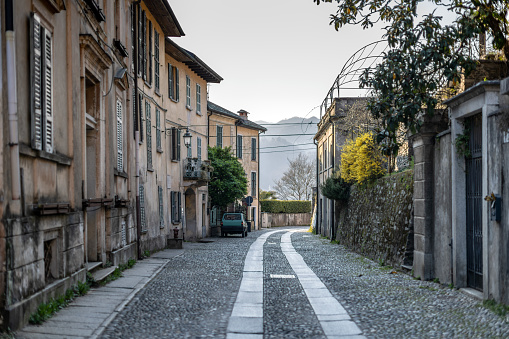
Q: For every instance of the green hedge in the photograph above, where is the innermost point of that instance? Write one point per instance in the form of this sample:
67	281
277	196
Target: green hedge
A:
285	206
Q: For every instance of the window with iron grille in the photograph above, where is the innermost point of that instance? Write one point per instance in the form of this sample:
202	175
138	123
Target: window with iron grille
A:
253	184
239	146
158	131
41	70
161	206
142	209
175	144
175	207
198	148
188	92
156	60
198	98
120	151
173	83
219	136
149	134
253	148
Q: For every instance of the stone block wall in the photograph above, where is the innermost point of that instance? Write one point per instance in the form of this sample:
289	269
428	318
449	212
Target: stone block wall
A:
377	220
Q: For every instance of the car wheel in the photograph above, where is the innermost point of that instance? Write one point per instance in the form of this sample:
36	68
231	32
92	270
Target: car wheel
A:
243	235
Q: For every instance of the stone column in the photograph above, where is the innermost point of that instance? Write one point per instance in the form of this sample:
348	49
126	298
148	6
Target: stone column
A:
423	148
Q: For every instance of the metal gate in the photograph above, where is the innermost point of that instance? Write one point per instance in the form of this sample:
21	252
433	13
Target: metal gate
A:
474	203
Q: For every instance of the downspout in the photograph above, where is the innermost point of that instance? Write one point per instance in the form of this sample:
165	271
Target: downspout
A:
136	4
258	212
12	99
317	192
333	230
208	131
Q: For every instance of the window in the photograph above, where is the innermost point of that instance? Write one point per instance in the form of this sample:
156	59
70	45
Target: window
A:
253	148
173	82
175	144
144	42
158	131
198	148
156	60
253	184
219	136
120	161
161	206
188	92
142	209
198	98
190	149
150	64
239	146
41	71
149	134
175	207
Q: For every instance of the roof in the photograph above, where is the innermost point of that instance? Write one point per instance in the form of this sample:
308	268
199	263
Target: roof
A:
192	61
165	17
240	121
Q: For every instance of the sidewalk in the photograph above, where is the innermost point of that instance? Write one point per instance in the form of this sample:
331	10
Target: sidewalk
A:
89	315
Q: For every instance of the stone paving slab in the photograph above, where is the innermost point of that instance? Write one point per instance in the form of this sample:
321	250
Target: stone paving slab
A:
249	325
243	336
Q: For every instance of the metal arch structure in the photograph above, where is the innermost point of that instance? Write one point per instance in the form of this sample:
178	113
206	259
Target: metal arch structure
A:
364	58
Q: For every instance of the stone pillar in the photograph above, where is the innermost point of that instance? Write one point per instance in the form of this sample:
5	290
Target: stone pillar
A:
423	147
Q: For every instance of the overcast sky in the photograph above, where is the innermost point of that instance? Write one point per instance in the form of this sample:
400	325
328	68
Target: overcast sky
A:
278	58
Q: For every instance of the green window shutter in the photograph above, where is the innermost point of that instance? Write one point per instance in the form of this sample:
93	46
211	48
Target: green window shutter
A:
188	91
177	94
219	136
239	146
140	41
161	206
156	59
144	38
179	207
198	98
170	81
150	54
140	116
198	148
253	184
142	209
158	129
37	81
48	92
178	144
149	134
253	149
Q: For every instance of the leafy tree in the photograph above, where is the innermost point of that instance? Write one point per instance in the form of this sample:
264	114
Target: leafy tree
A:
335	188
228	182
425	54
297	182
266	195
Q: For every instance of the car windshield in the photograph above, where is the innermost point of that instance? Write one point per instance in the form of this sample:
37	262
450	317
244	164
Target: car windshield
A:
231	217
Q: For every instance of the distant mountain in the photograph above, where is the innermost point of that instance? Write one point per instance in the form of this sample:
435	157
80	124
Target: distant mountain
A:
284	140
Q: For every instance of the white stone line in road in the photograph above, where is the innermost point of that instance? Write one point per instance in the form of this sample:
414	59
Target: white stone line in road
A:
246	321
333	318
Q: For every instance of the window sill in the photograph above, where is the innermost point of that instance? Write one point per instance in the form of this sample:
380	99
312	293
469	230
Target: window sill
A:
199	113
150	169
175	222
149	85
189	108
157	92
175	101
55	157
159	150
120	174
144	231
175	160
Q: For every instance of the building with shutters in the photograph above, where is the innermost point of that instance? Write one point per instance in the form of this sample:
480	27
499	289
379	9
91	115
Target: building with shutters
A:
227	129
92	163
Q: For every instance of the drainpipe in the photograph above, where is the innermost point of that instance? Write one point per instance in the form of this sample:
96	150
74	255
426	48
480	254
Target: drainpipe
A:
12	99
137	130
208	130
317	190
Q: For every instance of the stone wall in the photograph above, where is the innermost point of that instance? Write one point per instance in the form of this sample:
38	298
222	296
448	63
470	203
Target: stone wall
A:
376	220
285	219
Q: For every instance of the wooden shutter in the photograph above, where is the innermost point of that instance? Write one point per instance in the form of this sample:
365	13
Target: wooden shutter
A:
178	144
120	159
219	136
156	59
140	42
161	206
179	207
177	94
198	148
253	149
133	35
140	116
142	209
144	41
239	146
158	129
198	98
37	80
170	81
188	91
148	122
48	92
150	62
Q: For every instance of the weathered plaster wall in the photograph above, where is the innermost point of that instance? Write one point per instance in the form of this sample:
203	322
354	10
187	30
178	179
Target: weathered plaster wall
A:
376	220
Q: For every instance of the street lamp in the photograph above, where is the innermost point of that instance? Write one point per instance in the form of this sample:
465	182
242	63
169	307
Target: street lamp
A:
187	138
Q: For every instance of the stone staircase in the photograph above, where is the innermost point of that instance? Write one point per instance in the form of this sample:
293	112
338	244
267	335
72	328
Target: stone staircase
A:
98	272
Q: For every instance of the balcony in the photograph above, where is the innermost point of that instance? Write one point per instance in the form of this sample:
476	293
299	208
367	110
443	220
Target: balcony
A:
197	170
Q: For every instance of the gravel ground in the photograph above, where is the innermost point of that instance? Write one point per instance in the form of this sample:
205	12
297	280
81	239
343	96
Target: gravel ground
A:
394	305
193	296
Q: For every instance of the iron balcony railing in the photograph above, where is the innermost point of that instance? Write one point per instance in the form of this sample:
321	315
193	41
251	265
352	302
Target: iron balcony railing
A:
195	169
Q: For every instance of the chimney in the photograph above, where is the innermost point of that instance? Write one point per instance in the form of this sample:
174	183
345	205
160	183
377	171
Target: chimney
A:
243	114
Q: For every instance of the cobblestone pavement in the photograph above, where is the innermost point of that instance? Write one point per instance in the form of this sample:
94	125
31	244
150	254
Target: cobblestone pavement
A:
194	295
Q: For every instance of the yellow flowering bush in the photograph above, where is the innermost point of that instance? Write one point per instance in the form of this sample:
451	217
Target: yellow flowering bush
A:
361	159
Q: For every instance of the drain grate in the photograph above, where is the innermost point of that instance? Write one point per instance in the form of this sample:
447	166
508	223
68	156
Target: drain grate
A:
282	276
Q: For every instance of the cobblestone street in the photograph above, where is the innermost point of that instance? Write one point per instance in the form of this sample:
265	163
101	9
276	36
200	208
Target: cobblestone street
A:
195	294
277	283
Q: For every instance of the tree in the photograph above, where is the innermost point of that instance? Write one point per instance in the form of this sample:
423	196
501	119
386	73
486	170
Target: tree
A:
228	182
266	195
426	56
297	182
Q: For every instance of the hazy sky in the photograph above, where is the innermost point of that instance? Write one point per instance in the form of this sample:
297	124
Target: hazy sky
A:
278	58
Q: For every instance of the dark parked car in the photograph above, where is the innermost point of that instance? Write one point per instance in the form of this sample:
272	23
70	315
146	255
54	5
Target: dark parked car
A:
233	223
